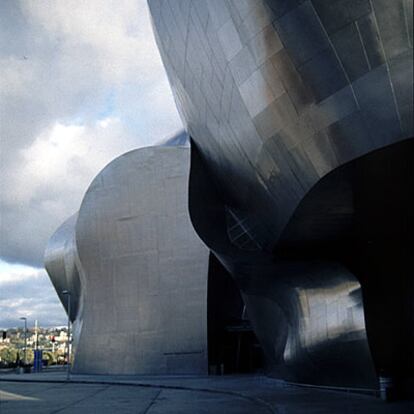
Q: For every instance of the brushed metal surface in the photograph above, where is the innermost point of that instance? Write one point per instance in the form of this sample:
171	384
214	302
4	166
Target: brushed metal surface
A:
143	269
61	260
282	100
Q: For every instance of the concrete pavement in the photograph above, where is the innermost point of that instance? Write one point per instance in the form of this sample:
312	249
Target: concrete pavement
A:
49	393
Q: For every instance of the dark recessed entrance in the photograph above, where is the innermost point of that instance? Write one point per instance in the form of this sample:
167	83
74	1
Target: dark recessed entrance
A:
232	345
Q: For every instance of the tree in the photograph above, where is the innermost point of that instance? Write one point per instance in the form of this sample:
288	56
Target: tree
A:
8	355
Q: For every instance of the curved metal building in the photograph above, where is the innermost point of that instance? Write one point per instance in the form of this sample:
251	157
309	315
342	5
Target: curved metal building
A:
136	269
300	114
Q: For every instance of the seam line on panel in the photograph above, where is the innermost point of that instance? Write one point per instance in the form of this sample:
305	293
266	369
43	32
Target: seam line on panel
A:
337	56
387	66
407	28
363	45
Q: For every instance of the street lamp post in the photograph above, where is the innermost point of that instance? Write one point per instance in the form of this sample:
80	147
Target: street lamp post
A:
67	292
25	339
36	335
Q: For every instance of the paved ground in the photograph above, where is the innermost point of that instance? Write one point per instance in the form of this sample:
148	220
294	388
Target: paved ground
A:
48	393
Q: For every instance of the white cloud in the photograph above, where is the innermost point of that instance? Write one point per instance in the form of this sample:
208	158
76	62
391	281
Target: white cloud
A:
81	83
66	158
54	173
113	36
18	273
27	291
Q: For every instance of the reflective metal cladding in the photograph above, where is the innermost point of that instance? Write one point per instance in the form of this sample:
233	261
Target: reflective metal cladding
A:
300	114
136	270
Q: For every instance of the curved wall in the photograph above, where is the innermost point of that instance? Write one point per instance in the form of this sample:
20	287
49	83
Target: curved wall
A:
145	270
61	261
276	95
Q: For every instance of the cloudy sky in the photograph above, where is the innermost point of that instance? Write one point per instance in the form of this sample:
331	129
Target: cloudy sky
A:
81	82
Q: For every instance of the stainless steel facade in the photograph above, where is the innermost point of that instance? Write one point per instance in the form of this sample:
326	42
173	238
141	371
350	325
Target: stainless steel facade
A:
136	269
64	269
300	113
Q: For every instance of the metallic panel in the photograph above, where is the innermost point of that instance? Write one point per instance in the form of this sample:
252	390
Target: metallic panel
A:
144	284
276	96
62	262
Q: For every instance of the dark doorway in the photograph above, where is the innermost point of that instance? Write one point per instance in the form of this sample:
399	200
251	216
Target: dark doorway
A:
232	345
